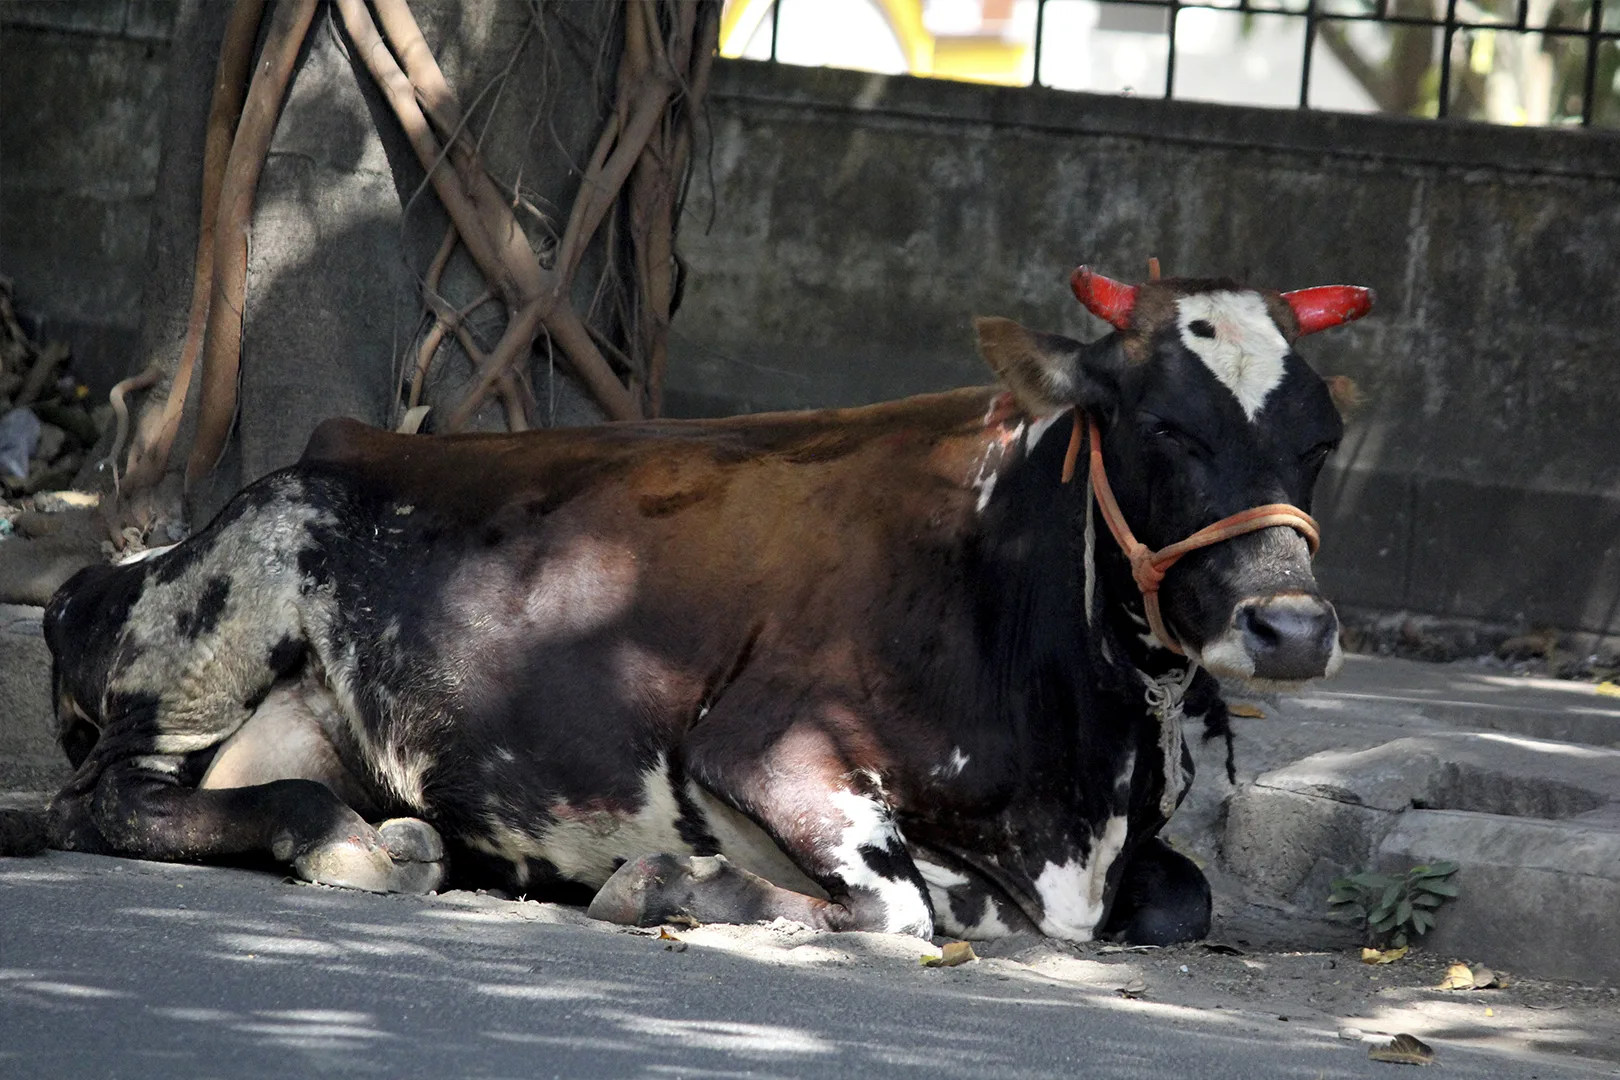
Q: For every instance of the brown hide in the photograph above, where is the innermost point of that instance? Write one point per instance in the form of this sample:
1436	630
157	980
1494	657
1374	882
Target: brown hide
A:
787	529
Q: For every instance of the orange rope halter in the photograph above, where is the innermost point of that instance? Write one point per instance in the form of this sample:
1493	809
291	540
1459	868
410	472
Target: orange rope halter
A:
1148	567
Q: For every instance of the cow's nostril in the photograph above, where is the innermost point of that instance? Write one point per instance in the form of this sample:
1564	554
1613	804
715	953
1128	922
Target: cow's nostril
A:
1259	631
1288	637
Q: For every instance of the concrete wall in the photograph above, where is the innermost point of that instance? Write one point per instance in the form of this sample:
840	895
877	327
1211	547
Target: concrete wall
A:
848	226
80	125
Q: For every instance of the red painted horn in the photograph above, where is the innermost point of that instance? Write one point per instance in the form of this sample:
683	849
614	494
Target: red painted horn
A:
1328	305
1109	300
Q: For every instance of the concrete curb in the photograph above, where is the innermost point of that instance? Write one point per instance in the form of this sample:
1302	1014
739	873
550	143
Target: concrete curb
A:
30	760
1534	824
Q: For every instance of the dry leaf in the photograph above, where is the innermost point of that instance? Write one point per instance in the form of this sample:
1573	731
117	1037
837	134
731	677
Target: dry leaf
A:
1243	708
1386	956
1489	1011
1132	990
954	953
1477	977
1458	977
1403	1049
665	935
1609	689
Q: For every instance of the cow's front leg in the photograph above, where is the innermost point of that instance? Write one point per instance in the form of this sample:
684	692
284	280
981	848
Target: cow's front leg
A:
833	823
143	813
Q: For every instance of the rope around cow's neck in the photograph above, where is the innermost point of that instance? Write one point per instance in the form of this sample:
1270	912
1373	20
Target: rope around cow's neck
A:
1165	695
1091	561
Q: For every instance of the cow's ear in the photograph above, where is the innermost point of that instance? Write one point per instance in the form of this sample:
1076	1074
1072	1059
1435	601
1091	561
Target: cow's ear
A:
1049	372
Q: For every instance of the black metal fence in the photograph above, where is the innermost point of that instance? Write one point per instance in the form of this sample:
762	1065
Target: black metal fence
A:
1547	62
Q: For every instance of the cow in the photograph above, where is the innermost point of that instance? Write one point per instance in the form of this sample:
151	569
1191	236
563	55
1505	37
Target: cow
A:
865	669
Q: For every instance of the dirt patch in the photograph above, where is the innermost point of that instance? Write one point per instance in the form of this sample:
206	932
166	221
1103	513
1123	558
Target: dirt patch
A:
1239	977
1327	990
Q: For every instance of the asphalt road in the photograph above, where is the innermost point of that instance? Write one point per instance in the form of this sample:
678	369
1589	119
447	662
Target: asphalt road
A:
111	968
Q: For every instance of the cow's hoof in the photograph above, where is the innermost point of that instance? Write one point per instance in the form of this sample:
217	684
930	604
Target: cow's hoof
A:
623	897
411	839
418	855
654	889
688	889
403	855
355	862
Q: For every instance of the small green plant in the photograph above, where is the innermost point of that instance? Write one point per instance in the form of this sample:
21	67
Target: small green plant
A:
1395	907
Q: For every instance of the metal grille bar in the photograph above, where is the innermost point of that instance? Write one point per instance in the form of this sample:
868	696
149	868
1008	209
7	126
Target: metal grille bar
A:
1594	35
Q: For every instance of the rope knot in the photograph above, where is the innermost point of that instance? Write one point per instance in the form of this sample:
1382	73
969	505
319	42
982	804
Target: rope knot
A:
1148	574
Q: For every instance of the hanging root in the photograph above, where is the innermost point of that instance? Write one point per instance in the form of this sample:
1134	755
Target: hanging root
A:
435	334
222	341
535	296
154	441
634	181
144	381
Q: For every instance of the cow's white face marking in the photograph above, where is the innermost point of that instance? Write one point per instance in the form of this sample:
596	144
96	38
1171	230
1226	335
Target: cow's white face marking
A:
202	675
1235	337
871	824
1071	894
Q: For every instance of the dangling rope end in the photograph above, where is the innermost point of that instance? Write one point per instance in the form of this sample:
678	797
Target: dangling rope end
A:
1072	455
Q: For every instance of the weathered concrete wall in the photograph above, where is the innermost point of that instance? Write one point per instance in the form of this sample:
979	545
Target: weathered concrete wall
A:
855	223
80	125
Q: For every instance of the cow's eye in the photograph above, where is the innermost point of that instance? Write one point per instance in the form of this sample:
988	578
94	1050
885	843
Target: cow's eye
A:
1202	328
1163	431
1316	455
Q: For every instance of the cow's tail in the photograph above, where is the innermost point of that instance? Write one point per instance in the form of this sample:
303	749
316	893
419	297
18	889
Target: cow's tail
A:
22	830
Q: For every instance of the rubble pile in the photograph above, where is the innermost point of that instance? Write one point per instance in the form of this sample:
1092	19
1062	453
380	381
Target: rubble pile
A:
47	427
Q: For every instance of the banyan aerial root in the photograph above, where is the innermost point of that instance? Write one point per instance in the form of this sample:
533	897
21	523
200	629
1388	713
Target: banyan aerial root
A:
634	181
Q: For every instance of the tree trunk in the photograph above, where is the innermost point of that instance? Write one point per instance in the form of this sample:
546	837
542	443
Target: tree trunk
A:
346	228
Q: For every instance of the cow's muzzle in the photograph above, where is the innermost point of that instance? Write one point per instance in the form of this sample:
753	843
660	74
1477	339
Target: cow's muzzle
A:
1286	638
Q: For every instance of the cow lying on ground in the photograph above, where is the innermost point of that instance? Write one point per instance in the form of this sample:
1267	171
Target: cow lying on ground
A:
875	658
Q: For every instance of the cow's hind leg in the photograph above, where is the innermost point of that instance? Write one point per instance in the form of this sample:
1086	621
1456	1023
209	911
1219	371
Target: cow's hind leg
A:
145	814
831	820
1163	899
